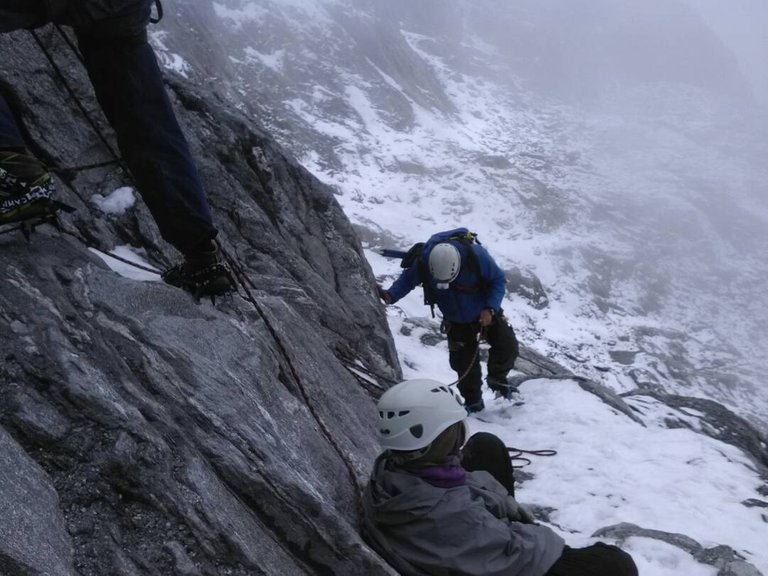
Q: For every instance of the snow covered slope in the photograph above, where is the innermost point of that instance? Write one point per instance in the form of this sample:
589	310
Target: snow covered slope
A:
615	151
611	150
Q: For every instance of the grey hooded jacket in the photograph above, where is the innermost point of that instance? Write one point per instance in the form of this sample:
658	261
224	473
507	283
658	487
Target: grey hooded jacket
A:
422	530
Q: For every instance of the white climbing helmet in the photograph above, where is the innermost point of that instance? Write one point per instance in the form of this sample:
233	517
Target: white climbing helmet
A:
444	264
413	413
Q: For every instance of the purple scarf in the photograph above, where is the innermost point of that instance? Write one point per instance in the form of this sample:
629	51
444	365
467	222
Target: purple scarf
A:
444	476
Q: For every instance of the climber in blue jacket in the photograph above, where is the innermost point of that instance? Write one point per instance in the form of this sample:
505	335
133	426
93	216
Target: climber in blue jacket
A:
112	38
466	284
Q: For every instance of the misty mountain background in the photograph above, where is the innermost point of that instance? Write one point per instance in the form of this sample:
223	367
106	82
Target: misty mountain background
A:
610	156
617	148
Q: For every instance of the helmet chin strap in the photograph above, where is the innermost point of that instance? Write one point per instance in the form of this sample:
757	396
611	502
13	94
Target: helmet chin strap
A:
447	444
401	458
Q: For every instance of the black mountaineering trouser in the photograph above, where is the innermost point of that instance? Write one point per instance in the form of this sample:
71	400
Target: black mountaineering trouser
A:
129	87
463	357
486	451
600	558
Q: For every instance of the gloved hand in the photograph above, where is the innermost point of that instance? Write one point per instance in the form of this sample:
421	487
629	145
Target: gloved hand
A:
486	317
383	294
519	513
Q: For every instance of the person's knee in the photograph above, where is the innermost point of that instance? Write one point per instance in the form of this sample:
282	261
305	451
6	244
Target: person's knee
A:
621	563
461	353
625	564
486	451
485	446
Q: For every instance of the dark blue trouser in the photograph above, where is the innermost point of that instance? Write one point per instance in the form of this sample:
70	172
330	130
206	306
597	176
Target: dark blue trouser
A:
9	131
129	87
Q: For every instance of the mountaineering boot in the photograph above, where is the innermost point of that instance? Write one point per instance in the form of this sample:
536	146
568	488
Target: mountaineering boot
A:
203	273
501	387
478	406
26	188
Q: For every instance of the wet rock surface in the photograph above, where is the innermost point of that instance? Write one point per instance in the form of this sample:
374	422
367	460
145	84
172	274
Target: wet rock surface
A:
142	432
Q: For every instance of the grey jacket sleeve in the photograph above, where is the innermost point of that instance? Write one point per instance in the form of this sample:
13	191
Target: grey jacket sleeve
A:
464	530
531	549
470	540
497	500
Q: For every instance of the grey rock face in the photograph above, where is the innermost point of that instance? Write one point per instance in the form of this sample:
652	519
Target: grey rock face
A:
143	433
528	286
725	559
33	539
720	423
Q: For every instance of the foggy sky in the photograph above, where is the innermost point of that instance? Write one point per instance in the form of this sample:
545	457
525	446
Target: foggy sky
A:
743	26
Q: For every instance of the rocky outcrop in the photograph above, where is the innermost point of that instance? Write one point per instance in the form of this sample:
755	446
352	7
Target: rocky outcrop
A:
142	432
724	558
717	421
528	286
33	539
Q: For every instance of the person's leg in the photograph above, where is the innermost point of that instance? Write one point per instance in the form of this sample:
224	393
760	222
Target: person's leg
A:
463	358
485	451
597	560
129	87
503	352
10	136
16	15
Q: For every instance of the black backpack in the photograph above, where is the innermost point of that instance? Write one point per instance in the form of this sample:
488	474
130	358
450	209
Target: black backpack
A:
414	255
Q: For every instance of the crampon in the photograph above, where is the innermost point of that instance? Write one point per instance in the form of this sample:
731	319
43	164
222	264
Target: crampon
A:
28	217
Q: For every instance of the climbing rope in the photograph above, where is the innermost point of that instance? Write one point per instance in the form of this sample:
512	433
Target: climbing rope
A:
366	377
241	278
479	338
69	88
517	454
112	254
247	285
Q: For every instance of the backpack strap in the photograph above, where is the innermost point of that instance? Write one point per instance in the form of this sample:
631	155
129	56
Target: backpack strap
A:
469	239
414	252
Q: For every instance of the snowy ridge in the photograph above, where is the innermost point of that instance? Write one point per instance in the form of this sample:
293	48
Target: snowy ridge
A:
645	475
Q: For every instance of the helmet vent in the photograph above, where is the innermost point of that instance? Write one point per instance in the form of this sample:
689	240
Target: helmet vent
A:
417	430
385	431
403	413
